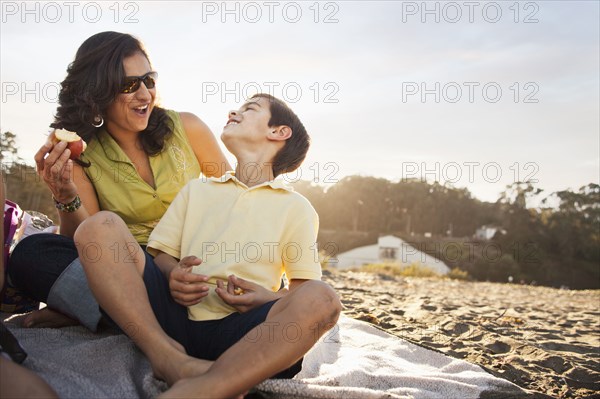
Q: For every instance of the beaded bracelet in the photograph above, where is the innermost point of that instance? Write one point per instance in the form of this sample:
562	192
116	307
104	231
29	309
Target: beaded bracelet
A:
70	207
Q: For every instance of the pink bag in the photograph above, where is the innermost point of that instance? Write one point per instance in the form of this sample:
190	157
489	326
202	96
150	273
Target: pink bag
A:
12	215
11	299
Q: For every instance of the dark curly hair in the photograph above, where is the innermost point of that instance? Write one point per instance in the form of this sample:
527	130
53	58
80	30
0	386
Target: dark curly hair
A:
94	80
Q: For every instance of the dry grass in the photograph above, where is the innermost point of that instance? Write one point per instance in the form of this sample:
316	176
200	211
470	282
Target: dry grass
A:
412	270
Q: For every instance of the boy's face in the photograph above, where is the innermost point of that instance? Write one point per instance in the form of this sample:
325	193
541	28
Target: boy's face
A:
249	124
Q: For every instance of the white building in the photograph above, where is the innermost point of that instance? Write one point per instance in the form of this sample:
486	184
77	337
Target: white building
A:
389	249
485	232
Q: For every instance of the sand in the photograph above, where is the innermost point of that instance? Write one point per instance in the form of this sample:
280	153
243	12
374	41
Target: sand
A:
543	339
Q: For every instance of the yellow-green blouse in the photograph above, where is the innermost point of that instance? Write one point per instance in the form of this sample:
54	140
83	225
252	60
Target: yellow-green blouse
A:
120	188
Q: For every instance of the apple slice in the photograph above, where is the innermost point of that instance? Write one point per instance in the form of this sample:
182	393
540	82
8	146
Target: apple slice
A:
76	144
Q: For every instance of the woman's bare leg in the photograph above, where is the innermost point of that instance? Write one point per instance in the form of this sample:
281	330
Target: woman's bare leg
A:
114	265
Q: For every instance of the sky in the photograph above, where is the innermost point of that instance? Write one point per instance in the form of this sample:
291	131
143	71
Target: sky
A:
471	94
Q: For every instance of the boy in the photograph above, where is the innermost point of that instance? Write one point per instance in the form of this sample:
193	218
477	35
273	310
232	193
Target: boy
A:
245	224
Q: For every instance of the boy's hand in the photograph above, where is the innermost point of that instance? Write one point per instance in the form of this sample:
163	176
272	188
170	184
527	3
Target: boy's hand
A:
187	288
243	295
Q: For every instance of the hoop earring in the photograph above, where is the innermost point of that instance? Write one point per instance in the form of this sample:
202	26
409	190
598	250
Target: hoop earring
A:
99	121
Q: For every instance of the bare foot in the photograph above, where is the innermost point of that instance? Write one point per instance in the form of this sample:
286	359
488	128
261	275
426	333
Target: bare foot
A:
180	366
48	318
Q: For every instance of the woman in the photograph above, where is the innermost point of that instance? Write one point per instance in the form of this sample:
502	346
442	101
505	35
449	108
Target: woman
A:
138	158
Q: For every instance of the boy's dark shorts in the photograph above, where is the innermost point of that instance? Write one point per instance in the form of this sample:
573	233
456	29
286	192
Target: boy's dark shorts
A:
202	339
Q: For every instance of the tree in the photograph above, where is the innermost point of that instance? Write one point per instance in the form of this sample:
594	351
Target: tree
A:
552	246
518	193
575	228
23	184
9	150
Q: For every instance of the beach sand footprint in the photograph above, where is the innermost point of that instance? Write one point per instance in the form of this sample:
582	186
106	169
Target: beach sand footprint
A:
540	338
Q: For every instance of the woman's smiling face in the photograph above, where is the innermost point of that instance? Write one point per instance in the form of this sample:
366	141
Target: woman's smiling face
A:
130	112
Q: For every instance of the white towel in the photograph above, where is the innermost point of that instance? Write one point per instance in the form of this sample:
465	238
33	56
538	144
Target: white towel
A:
353	360
357	360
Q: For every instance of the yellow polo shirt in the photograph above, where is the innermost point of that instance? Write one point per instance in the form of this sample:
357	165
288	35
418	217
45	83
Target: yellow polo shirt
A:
256	233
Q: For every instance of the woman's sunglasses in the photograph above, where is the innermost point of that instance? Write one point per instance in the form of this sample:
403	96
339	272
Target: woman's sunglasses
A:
132	83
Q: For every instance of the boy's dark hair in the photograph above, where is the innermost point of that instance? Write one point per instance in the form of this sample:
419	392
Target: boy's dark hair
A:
290	157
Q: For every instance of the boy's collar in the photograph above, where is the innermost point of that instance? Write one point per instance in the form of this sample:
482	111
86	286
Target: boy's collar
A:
277	184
